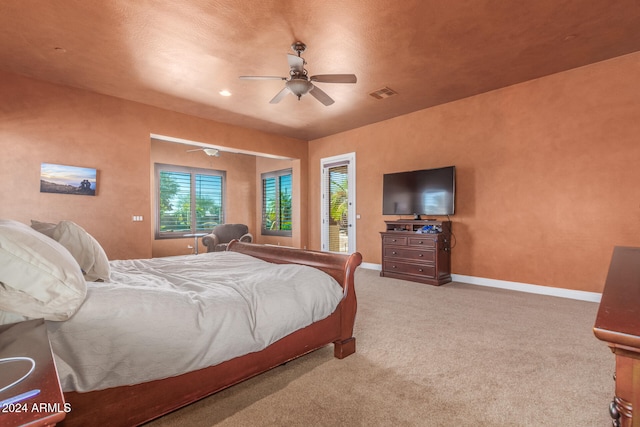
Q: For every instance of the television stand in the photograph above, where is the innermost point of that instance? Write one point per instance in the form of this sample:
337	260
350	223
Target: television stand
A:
419	257
417	217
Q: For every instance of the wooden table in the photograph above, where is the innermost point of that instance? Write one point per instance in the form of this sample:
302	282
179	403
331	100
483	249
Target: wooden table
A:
618	324
26	361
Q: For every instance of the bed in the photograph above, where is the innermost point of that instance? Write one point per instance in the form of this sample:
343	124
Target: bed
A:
139	400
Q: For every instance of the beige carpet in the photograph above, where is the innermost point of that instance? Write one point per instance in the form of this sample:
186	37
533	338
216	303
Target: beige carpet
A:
455	355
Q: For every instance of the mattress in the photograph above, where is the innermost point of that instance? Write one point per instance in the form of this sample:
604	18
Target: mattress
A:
162	317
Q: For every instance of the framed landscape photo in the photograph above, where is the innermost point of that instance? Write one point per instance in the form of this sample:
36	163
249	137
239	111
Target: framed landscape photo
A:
63	179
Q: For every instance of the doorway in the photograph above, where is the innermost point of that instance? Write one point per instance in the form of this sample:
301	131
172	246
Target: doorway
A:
338	198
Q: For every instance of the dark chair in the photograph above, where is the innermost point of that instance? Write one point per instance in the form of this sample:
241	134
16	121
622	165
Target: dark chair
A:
222	234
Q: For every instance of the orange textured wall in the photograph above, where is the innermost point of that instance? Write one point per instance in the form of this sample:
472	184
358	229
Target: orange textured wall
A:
547	175
42	122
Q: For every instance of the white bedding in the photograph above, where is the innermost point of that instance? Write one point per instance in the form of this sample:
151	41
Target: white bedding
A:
162	317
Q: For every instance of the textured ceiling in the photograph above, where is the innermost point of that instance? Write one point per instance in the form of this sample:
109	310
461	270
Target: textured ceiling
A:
178	55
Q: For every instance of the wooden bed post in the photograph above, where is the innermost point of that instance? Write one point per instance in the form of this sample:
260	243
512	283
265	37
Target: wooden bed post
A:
347	344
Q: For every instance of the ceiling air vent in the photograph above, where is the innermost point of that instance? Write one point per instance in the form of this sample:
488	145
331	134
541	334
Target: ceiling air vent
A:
383	93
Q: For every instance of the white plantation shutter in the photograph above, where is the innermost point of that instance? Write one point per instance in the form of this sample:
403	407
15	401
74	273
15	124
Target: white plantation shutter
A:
277	190
189	200
208	194
285	190
175	190
269	203
335	174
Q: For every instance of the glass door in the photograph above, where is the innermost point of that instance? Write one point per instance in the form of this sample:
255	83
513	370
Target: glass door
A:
338	204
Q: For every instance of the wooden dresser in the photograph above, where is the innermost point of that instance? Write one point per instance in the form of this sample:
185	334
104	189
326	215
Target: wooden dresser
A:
618	324
419	257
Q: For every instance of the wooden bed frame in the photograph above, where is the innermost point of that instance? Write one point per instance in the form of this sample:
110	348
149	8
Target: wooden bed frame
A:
137	404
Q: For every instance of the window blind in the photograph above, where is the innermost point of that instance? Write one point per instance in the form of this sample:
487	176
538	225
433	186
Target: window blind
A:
208	196
335	204
189	200
175	202
277	191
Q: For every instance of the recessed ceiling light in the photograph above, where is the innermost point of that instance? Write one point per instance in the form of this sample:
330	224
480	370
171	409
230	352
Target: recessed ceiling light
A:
225	92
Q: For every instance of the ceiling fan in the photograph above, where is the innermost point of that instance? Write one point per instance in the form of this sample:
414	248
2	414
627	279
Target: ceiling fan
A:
299	83
211	152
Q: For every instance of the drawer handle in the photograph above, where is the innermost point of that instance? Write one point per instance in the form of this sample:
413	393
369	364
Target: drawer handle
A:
420	270
420	255
614	413
420	242
393	266
394	253
393	240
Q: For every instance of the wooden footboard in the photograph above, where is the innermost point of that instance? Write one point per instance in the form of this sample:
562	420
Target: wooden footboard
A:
340	267
137	404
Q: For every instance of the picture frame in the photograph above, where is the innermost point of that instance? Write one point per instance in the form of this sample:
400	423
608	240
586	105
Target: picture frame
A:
63	179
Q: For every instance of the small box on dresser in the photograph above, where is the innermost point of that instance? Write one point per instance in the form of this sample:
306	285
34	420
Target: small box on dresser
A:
419	257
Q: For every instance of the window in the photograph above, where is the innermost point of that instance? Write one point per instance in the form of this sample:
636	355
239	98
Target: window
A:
276	203
188	200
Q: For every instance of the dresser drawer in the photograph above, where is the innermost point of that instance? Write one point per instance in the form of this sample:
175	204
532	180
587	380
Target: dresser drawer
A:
396	267
395	240
425	241
413	254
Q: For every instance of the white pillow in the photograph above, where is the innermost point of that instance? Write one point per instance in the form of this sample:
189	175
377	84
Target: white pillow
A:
85	249
45	228
38	277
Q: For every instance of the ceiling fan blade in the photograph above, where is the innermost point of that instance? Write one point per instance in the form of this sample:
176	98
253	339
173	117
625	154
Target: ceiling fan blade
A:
296	63
321	96
211	152
279	96
262	78
334	78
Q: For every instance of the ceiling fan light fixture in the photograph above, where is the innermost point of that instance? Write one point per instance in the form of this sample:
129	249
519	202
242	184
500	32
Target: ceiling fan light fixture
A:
212	152
299	87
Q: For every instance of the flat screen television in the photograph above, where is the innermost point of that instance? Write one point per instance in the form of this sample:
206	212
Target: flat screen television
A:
421	192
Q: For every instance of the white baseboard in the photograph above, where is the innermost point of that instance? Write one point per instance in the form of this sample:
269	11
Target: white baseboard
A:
526	287
371	266
515	286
